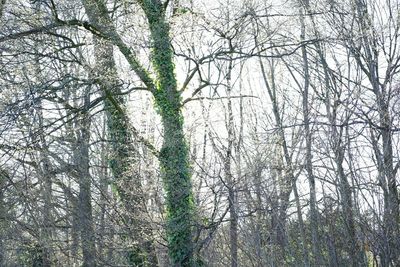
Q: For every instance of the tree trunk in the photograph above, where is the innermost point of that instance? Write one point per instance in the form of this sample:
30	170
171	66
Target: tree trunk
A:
3	217
43	170
174	158
46	191
122	156
176	177
233	220
391	203
314	225
85	198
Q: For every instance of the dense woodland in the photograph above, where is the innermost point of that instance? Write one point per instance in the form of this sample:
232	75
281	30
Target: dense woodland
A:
199	133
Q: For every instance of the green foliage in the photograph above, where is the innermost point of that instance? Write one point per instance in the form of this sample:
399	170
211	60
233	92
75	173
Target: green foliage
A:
37	256
30	255
136	257
333	229
180	11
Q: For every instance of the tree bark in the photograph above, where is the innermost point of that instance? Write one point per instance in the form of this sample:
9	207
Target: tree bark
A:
85	198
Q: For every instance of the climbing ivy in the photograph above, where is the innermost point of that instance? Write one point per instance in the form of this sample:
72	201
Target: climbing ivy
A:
174	156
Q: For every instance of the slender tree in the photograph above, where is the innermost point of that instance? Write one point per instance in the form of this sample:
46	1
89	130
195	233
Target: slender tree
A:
314	225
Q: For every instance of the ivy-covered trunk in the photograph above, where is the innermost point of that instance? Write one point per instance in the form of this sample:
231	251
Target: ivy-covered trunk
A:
173	158
176	177
122	155
174	161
